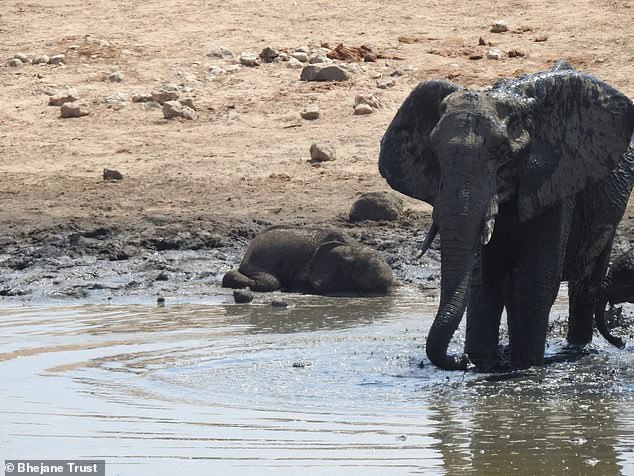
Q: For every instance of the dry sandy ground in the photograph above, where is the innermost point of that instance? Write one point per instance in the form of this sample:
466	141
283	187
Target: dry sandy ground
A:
246	155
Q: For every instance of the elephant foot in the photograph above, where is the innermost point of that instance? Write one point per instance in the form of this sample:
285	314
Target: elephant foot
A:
571	353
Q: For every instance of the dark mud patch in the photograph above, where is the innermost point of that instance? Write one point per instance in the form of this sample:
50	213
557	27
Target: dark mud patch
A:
163	255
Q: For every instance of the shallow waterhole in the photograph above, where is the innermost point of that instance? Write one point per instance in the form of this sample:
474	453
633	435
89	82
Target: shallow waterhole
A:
328	385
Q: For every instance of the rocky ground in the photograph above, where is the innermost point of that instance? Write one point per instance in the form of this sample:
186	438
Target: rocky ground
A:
142	144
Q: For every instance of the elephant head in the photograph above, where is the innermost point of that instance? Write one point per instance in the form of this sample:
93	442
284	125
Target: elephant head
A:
344	269
529	144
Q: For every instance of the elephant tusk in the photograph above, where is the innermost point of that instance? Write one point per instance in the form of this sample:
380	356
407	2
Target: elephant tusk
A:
429	238
489	222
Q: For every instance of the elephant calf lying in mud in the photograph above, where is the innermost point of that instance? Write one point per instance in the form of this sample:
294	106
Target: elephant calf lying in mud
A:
310	260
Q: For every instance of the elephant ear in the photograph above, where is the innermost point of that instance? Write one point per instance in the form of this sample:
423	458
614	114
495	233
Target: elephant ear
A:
327	270
406	159
581	127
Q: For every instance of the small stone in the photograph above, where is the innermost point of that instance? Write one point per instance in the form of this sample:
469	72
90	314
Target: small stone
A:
15	63
117	101
316	72
216	71
376	206
499	26
311	113
57	59
189	102
363	109
242	296
370	57
173	109
280	304
318	58
495	54
160	301
300	56
222	53
369	99
482	42
110	175
515	54
74	109
166	93
116	77
142	97
302	49
322	152
268	54
541	38
385	83
41	59
233	68
248	59
294	63
63	98
22	57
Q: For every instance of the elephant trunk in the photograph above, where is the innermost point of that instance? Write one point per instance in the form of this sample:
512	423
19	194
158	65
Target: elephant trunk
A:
461	233
600	314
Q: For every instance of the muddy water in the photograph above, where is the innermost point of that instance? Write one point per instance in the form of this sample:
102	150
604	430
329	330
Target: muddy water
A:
330	386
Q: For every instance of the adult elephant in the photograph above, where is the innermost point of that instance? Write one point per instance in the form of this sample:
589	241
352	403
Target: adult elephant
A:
528	181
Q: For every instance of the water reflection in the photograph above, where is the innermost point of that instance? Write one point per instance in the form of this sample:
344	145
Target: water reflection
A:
193	387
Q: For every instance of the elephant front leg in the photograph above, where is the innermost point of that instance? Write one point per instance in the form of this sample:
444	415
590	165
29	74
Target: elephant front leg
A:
486	302
535	278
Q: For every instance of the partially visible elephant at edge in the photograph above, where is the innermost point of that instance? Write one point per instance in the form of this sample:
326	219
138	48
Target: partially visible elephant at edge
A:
310	260
529	181
617	287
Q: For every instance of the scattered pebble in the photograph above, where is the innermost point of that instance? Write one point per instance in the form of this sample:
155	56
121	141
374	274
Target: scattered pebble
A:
318	58
366	104
302	49
62	98
248	59
495	54
268	54
22	57
499	26
165	94
541	38
386	83
15	63
294	63
74	109
57	59
41	59
174	109
515	54
242	296
110	175
300	56
216	71
322	152
117	101
311	112
222	53
363	109
116	77
315	72
142	97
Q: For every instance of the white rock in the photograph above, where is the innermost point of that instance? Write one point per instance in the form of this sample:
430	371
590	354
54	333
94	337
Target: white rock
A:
294	63
233	68
41	59
302	49
322	152
216	71
22	57
173	109
222	53
57	59
63	97
499	26
116	77
248	59
363	109
74	109
319	58
301	56
495	54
